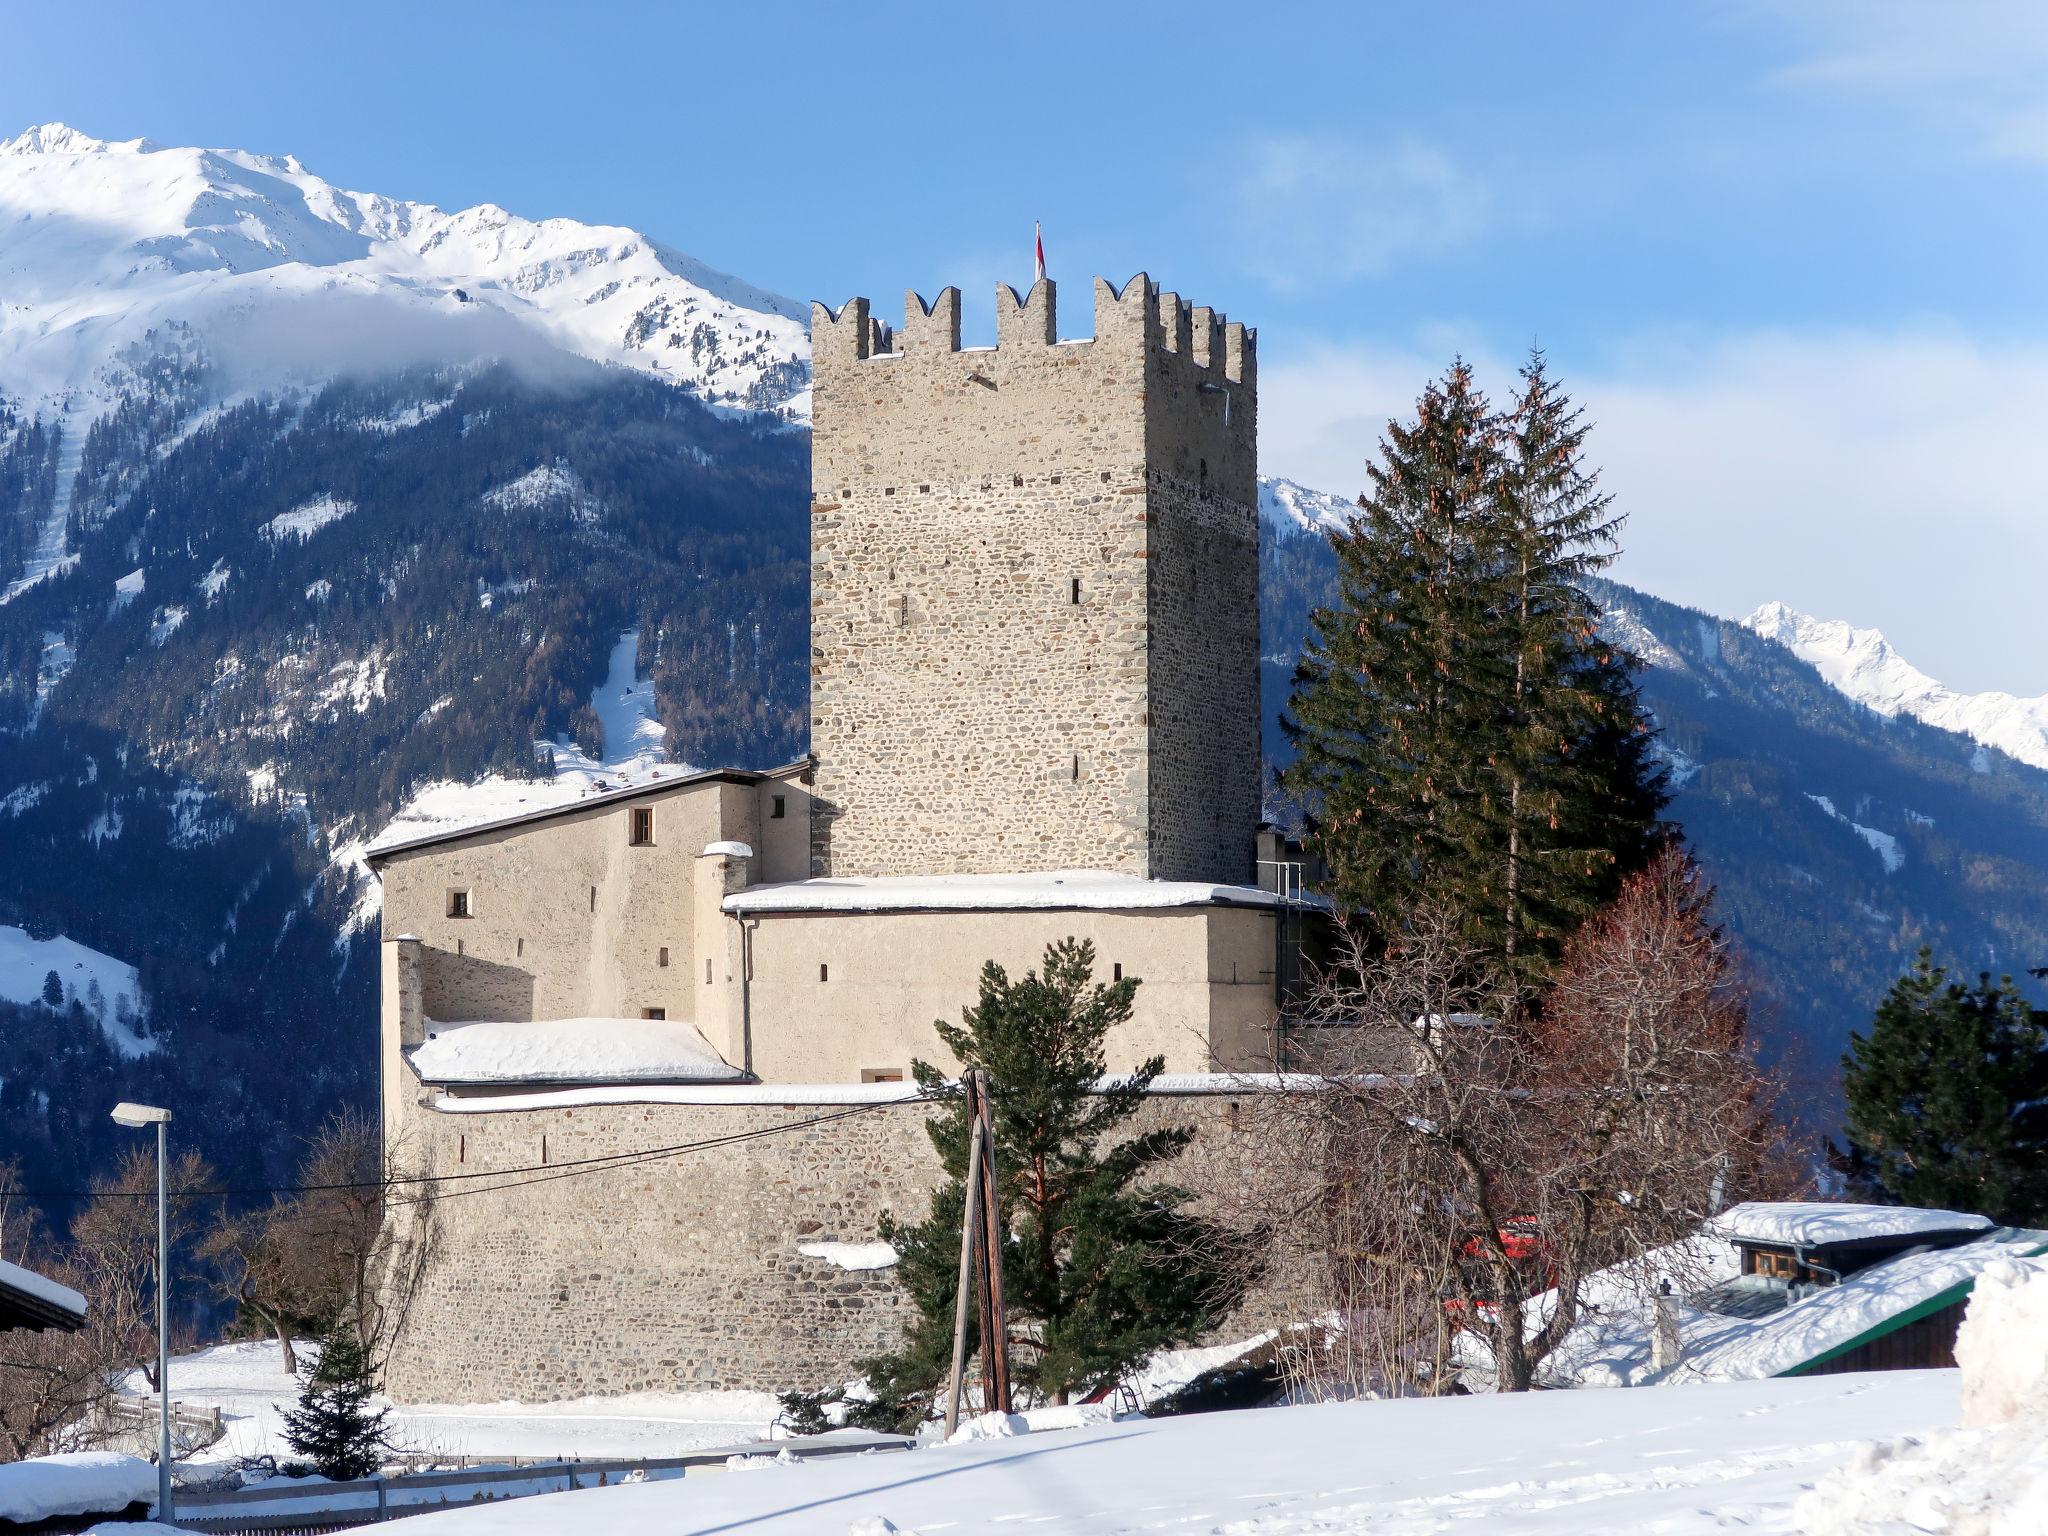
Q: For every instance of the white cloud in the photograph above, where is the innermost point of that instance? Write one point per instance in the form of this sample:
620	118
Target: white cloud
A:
1318	208
1886	478
1978	68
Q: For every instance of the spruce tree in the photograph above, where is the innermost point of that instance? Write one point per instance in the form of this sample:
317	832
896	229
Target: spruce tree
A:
1465	738
1948	1096
1101	1265
334	1426
1582	789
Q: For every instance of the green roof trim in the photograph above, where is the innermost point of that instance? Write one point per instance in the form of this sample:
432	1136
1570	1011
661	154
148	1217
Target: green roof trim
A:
1939	1301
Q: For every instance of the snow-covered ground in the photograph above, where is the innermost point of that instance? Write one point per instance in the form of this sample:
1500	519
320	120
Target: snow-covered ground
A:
108	988
247	1382
1545	1464
1863	665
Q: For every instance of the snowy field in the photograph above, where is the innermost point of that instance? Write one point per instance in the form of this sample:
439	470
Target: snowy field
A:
1673	1463
110	989
248	1384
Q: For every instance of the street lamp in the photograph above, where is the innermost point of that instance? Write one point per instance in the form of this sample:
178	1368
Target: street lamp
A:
136	1116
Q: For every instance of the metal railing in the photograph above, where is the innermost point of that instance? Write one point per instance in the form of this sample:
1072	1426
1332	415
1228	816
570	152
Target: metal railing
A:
294	1505
131	1424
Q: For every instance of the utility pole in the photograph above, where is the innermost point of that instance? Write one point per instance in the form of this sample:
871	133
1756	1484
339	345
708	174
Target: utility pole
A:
967	1244
997	1368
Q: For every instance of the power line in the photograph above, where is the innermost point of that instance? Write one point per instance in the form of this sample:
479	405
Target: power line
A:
549	1171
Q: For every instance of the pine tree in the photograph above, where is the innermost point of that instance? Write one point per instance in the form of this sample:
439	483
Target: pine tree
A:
1464	736
1582	789
334	1425
1948	1096
1101	1267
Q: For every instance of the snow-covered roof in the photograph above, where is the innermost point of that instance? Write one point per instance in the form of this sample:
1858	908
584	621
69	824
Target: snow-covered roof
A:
554	799
1611	1346
728	850
30	1300
1096	890
587	1050
1818	1224
1165	1085
80	1483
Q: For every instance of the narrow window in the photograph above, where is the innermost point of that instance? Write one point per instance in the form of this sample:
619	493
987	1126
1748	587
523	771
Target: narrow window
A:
462	1149
543	1148
458	904
661	955
1017	481
1117	971
824	973
1075	595
881	1074
707	970
593	898
1205	471
519	948
653	1013
777	808
643	826
458	946
1230	1115
1077	767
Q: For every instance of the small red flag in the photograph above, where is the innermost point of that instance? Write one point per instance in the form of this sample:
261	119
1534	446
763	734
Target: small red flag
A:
1038	239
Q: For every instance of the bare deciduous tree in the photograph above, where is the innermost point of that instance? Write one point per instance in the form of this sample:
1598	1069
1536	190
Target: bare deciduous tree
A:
1471	1167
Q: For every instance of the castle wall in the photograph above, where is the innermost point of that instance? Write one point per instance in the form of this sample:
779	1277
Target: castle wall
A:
685	1274
1205	1000
1012	550
569	918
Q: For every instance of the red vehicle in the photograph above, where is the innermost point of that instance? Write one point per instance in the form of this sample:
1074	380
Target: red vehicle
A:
1528	1250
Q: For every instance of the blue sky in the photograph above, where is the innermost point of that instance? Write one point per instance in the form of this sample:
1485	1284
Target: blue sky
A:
1789	256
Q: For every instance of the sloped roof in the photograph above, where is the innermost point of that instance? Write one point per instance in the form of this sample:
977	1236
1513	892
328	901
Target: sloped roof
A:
30	1300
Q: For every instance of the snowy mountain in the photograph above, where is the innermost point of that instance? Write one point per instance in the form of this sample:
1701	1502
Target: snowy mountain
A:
286	278
1289	507
1863	665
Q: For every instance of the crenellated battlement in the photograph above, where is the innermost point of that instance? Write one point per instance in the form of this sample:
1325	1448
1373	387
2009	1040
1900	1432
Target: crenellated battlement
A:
1135	316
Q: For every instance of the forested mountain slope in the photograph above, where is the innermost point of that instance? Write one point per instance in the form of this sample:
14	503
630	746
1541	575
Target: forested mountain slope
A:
1840	839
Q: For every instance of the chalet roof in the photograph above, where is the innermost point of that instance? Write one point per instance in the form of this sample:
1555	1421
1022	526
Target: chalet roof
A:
387	846
1829	1224
30	1300
1087	890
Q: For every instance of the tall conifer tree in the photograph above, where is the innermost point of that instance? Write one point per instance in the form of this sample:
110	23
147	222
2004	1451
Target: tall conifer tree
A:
1103	1264
1464	735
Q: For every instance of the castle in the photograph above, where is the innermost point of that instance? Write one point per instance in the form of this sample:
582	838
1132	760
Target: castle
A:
1034	714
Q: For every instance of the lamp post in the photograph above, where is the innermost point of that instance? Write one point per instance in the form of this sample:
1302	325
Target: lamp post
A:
137	1116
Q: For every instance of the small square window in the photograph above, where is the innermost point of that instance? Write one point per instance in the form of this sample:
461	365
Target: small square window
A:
643	826
778	808
653	1013
458	904
881	1074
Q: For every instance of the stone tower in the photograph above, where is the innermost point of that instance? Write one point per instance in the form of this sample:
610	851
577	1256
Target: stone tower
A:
1035	590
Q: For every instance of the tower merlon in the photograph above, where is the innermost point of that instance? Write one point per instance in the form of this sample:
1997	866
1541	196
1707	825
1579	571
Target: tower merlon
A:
933	327
1033	318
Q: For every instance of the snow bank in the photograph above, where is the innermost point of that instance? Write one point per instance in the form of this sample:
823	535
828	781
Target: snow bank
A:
1094	890
2002	1347
42	1287
990	1426
1815	1223
585	1050
82	1483
1989	1478
1536	1464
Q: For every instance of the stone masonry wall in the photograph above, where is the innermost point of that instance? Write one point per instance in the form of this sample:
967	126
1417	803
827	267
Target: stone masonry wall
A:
1017	553
684	1274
